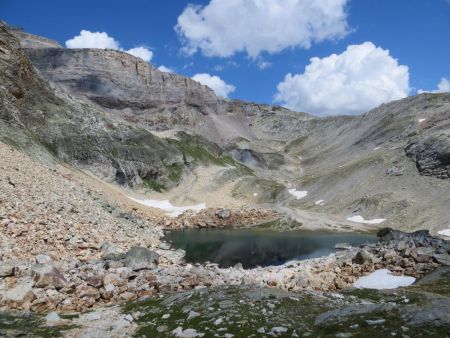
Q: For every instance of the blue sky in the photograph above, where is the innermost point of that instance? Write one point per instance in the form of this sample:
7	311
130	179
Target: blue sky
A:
416	33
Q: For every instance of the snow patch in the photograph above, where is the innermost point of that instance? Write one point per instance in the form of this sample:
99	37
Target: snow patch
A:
319	202
444	232
298	193
421	120
383	279
169	208
376	148
360	219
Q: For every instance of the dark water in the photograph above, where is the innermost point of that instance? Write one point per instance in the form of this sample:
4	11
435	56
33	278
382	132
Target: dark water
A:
263	248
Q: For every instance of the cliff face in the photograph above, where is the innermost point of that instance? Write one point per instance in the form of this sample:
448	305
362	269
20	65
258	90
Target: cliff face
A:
126	86
46	122
134	90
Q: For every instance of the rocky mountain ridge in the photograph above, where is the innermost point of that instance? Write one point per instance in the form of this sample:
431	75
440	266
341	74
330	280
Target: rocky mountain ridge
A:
119	117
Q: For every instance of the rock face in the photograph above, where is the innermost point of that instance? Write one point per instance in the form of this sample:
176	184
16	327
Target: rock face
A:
432	155
120	82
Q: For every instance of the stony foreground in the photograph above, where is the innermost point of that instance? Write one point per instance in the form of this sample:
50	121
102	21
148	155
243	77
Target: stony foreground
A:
68	245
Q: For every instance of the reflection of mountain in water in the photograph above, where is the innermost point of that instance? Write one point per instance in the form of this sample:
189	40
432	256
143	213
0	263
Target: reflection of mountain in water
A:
252	248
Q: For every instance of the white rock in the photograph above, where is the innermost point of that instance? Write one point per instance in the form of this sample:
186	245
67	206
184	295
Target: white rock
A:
165	316
43	259
128	318
192	314
110	287
279	329
218	321
298	193
52	317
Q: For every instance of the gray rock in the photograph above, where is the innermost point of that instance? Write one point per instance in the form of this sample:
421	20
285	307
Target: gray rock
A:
224	214
375	321
139	258
192	315
334	317
432	155
442	258
108	249
43	259
7	269
395	171
342	246
363	257
435	313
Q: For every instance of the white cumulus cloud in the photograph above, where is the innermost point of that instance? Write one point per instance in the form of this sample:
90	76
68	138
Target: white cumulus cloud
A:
220	87
223	28
359	79
442	87
141	52
166	69
88	39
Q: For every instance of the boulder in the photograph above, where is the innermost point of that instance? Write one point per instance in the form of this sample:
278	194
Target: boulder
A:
46	275
224	214
6	269
108	249
20	294
139	258
422	254
363	257
442	258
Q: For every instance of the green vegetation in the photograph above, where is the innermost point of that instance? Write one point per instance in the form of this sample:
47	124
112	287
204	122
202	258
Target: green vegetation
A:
175	172
154	185
267	190
28	325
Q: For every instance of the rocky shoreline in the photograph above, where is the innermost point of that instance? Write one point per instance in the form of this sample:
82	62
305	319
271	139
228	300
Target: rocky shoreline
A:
220	218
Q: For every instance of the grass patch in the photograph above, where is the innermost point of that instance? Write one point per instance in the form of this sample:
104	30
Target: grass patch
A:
154	185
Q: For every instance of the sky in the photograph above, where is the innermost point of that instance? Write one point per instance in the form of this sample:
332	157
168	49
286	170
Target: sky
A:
324	57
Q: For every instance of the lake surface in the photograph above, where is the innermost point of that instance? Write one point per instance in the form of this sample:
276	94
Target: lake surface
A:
255	247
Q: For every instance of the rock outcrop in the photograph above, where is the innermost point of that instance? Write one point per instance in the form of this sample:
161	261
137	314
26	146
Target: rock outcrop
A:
432	155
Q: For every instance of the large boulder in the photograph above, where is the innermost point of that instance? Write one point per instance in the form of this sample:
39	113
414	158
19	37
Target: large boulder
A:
20	294
432	155
363	257
139	258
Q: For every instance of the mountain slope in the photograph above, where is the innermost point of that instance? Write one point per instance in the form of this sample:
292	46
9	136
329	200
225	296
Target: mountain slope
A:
105	110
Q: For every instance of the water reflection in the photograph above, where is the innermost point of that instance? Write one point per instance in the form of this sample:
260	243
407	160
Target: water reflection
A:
253	248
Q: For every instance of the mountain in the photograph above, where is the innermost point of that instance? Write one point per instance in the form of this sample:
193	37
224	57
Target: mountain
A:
122	119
